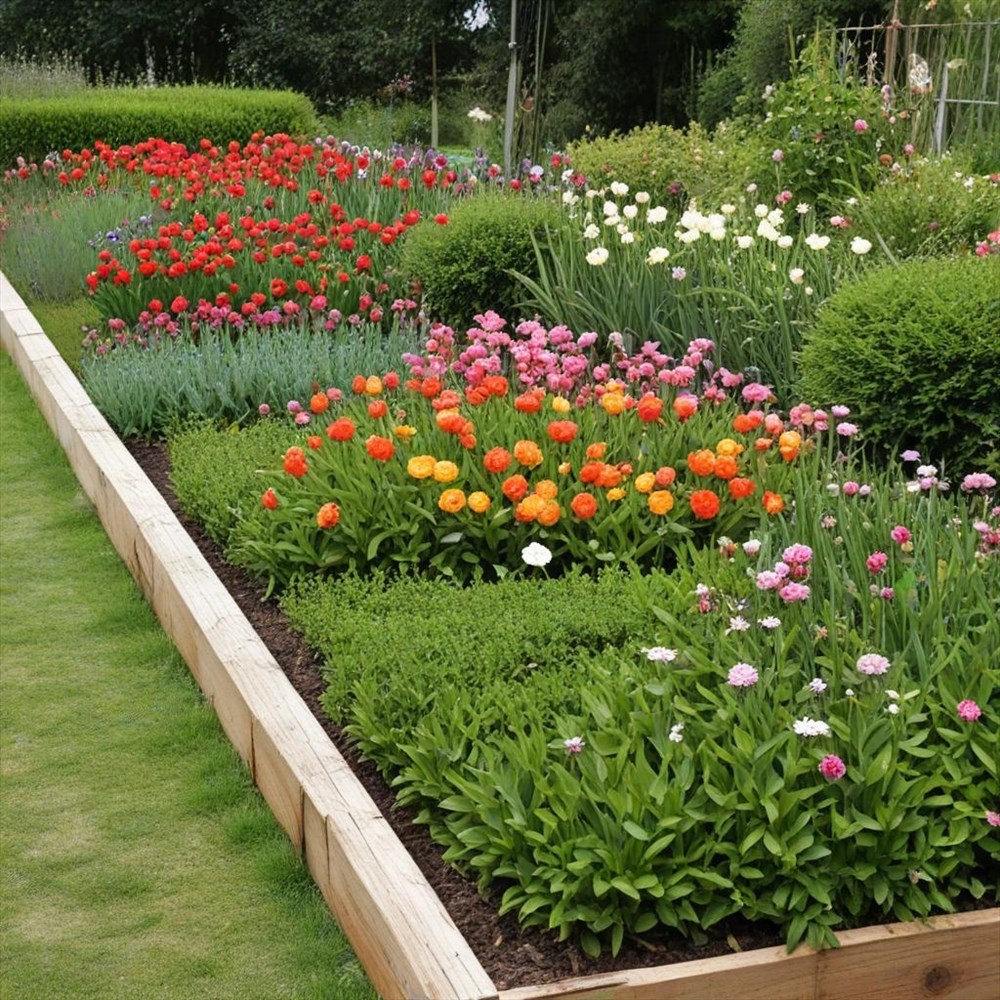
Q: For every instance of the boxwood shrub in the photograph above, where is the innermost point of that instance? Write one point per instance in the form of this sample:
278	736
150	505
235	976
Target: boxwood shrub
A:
36	126
914	350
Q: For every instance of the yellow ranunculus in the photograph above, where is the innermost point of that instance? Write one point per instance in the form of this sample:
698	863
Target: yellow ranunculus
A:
421	466
616	494
451	501
645	482
613	403
479	502
404	432
661	501
729	448
445	472
561	404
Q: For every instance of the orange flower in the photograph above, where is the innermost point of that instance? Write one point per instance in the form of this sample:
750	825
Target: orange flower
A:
319	402
661	501
528	453
665	476
515	487
773	503
584	505
596	450
476	395
467	441
373	385
685	405
358	384
591	472
377	408
328	515
295	462
451	501
546	489
445	472
740	488
746	422
704	504
479	502
495	385
529	508
645	482
702	463
496	460
789	444
613	403
314	442
530	401
649	409
404	432
549	514
562	431
380	448
725	467
430	387
448	399
421	466
269	499
762	444
341	429
729	448
610	476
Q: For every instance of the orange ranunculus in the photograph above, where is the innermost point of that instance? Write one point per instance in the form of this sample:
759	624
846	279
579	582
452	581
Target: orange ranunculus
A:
380	448
528	453
789	444
762	444
421	466
496	460
645	482
373	385
479	502
560	404
562	431
319	402
746	422
684	406
591	472
445	472
704	504
530	401
584	506
740	488
597	450
342	429
529	508
476	395
514	487
451	501
358	384
610	476
649	409
702	463
430	387
328	515
314	441
618	493
549	514
467	441
447	399
773	502
495	385
295	462
660	501
377	408
613	403
269	499
665	476
546	489
725	467
404	432
450	421
729	448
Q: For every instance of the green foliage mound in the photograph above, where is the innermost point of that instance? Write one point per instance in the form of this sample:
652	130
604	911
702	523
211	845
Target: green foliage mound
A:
34	127
914	350
464	267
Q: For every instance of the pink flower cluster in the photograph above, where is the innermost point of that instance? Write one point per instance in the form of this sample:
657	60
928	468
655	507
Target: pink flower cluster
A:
793	566
743	675
978	481
989	534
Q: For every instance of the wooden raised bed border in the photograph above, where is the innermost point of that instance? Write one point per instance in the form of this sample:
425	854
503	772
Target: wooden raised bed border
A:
404	937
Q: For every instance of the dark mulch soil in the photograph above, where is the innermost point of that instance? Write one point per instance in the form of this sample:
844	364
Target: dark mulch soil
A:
511	956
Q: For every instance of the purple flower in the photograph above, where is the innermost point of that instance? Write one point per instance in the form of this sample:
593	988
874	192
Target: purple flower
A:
832	767
872	664
742	676
968	710
817	685
574	744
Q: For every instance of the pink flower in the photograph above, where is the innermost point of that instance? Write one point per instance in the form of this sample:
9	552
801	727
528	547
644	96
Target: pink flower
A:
993	818
846	429
574	744
908	149
876	562
872	664
778	155
900	534
263	409
742	676
851	488
794	592
887	593
797	554
768	580
832	767
978	481
968	710
910	456
860	125
756	393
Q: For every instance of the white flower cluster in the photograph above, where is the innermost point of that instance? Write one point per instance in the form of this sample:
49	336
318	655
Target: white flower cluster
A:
810	727
477	114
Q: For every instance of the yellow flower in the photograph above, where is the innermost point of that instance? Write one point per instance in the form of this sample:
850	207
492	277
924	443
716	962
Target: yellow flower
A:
613	403
421	466
479	502
565	468
729	448
373	385
645	482
661	501
561	404
616	494
451	501
445	472
404	432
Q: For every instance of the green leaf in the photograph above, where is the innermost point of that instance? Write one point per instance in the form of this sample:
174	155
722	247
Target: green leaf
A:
634	830
623	885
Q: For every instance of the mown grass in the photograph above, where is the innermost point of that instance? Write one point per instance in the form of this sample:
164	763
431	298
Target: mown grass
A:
137	860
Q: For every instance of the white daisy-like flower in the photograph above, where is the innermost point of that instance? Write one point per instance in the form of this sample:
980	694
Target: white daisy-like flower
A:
810	727
660	654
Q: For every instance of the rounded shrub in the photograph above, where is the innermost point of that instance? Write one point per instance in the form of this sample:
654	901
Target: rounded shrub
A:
464	267
914	350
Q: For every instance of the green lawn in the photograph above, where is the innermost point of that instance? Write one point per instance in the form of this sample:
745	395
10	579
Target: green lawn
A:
137	859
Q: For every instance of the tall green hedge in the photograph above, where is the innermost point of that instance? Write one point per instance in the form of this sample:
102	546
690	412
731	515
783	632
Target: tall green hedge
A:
36	126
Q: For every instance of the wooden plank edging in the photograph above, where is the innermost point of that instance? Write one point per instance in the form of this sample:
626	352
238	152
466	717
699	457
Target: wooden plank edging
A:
401	932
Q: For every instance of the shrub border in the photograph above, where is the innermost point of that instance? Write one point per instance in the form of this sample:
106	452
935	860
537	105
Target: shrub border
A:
404	937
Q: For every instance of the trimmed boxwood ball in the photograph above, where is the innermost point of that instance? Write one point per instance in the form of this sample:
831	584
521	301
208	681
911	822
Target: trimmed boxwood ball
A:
914	350
464	267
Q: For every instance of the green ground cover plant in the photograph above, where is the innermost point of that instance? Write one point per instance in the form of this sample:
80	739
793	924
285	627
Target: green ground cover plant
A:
136	856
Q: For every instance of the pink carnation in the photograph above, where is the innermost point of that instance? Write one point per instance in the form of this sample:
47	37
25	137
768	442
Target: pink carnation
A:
832	767
872	664
876	562
794	592
900	534
968	710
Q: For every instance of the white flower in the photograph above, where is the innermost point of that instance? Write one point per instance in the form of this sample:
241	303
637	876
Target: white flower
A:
688	236
717	234
796	275
676	733
619	189
784	242
628	237
574	744
802	208
657	255
591	232
737	624
768	231
712	222
892	708
810	727
892	695
848	692
621	229
761	211
536	554
816	242
660	654
769	622
968	183
691	219
656	215
926	470
728	209
817	685
860	246
751	546
477	114
630	211
641	197
597	256
609	208
612	220
569	198
744	242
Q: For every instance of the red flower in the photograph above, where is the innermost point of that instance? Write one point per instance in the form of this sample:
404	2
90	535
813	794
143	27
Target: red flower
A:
380	448
179	304
377	408
441	219
704	504
279	288
295	462
649	409
341	429
562	431
269	499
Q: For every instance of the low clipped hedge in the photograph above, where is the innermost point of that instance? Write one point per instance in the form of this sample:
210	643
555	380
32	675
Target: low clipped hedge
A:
36	126
464	268
914	350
